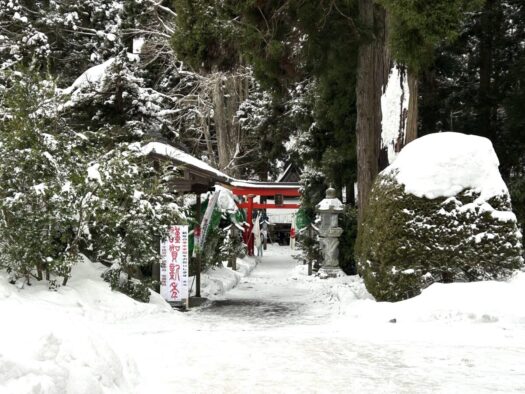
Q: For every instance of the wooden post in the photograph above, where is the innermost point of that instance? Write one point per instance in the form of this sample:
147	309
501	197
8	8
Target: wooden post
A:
310	235
264	225
233	258
155	275
266	235
250	225
198	254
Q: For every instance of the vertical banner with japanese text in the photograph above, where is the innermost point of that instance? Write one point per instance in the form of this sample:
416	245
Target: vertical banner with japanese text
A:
174	265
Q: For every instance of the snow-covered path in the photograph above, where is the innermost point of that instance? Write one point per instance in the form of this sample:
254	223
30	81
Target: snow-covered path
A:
279	331
275	333
270	297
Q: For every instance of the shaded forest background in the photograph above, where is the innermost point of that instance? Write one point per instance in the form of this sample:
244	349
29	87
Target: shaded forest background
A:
249	86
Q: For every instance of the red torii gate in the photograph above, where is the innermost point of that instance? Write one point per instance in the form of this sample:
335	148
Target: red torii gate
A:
249	190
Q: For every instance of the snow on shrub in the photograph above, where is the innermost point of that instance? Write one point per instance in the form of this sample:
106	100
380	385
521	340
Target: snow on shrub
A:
440	213
133	212
42	206
67	188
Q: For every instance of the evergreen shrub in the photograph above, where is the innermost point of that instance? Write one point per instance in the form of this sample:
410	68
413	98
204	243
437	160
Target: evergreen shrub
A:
406	242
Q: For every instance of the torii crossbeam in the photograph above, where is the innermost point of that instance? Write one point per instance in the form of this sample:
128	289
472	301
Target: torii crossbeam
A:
249	190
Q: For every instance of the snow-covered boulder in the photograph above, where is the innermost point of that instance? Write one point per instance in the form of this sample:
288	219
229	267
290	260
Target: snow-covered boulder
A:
440	213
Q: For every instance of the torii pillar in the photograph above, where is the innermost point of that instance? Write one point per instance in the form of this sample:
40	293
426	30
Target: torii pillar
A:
248	238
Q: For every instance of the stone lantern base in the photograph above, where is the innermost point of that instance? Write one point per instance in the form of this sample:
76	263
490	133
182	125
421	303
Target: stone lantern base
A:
330	272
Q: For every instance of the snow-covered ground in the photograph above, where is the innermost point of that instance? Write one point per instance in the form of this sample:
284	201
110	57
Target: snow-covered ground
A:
278	331
62	342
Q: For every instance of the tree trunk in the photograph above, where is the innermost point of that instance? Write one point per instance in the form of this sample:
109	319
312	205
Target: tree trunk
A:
485	106
220	122
411	128
209	146
229	91
372	66
39	271
66	277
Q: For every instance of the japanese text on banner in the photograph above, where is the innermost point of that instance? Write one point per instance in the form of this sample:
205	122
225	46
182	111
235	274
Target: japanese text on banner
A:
174	265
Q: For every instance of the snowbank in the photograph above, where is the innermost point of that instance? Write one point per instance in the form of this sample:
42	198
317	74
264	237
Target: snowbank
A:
339	293
495	302
64	341
218	280
481	302
453	303
444	164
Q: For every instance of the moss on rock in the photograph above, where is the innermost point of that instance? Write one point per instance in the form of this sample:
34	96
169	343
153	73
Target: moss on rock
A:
407	242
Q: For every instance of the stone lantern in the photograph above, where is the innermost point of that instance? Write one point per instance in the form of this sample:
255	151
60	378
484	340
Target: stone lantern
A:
329	231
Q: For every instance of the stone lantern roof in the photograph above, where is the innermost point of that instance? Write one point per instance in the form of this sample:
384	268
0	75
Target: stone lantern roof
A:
331	203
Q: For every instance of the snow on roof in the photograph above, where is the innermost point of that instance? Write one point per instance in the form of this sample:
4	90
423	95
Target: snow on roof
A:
180	156
283	174
265	185
90	76
185	158
445	164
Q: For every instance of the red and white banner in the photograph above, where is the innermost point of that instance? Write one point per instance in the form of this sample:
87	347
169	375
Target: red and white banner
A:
174	265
